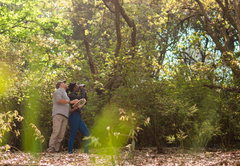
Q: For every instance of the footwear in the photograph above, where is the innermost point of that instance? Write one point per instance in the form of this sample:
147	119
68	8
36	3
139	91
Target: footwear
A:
51	151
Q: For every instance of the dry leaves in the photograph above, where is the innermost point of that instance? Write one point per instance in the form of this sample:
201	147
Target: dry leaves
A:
146	156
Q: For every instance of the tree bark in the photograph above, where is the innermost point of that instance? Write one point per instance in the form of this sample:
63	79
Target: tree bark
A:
118	30
236	5
236	90
134	30
131	24
208	25
87	45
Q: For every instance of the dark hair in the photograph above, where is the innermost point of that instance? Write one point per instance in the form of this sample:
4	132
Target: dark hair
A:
71	86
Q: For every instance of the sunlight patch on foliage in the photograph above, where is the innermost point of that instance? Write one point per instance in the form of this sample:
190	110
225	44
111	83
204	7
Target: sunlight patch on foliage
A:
114	128
5	77
8	124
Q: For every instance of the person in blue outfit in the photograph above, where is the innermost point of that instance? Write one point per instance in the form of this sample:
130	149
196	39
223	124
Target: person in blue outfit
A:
75	119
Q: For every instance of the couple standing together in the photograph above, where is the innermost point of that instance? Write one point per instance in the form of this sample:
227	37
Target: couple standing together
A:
62	114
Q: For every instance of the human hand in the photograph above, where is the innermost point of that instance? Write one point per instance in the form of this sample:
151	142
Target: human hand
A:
74	101
75	107
81	103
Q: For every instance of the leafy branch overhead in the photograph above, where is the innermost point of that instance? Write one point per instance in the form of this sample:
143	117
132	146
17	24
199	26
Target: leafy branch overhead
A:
171	66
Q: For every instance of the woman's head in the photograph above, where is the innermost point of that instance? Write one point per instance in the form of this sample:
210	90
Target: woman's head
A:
73	87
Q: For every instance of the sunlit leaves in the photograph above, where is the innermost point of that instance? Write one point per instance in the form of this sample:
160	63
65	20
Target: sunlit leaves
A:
37	133
93	141
7	123
5	77
37	46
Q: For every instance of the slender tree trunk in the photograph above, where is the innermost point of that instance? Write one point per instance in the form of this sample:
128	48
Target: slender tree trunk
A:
118	30
90	58
132	25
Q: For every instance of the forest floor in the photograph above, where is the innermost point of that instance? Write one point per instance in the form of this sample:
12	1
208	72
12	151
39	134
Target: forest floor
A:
145	156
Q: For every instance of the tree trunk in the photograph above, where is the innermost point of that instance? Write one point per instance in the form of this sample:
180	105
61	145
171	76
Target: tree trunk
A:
134	30
90	59
118	30
219	32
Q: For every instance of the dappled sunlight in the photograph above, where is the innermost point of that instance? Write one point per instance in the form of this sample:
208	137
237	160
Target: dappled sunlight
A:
6	78
114	129
157	73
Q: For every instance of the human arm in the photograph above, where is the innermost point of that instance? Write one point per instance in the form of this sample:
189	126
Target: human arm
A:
80	103
61	97
74	96
73	109
63	101
83	93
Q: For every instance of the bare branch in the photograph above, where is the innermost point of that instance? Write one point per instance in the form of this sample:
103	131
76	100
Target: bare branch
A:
133	26
237	90
90	59
105	3
226	12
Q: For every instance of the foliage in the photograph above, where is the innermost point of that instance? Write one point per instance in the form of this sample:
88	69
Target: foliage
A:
120	127
37	133
174	62
8	124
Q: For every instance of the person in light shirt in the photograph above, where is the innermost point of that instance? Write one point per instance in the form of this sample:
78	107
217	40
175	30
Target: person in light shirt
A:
60	114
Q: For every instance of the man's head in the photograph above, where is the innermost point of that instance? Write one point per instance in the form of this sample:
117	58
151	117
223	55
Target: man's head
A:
61	84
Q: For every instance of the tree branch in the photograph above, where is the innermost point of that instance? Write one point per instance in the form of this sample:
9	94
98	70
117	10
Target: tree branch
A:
90	59
105	3
236	5
237	90
133	26
225	11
